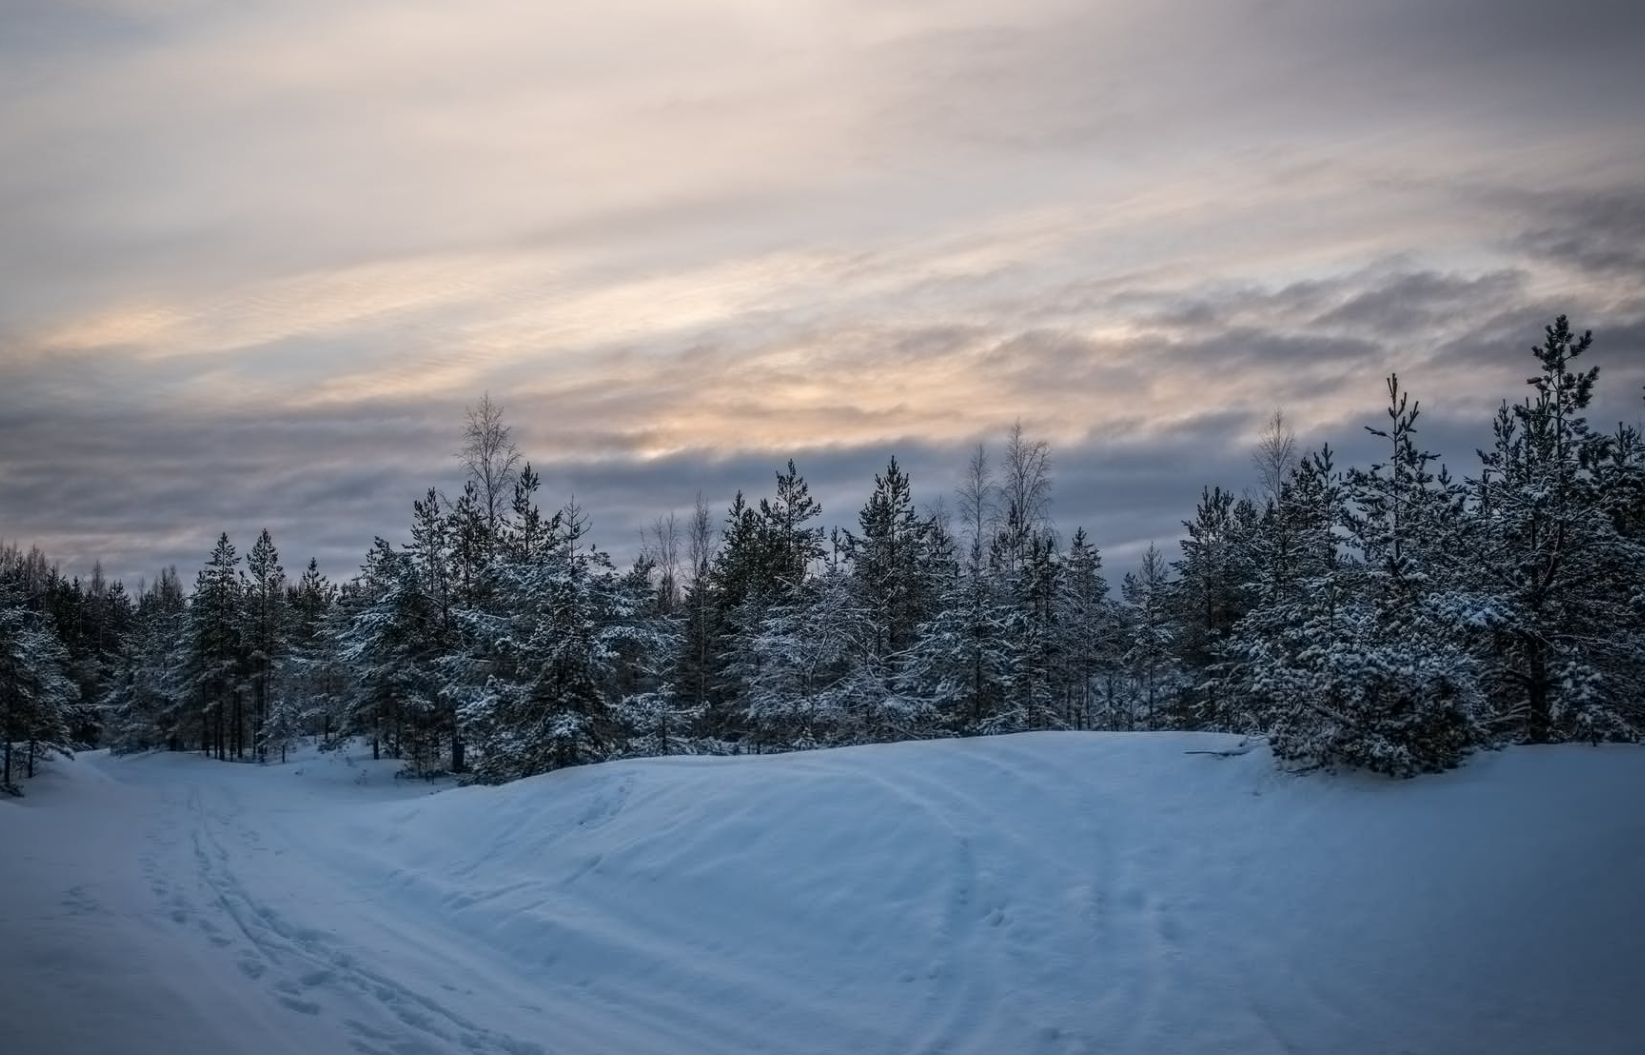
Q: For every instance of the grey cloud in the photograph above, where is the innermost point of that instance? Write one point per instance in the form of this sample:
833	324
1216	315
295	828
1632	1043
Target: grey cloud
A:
1050	360
1049	199
1602	233
1137	82
1412	302
1242	346
1388	299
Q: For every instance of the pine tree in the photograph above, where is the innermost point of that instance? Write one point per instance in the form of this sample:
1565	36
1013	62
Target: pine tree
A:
1209	597
311	678
1087	622
1556	577
959	666
1031	638
798	654
655	705
890	583
386	642
265	636
548	640
1409	527
216	670
148	702
36	694
789	545
528	534
657	716
696	664
1147	634
449	551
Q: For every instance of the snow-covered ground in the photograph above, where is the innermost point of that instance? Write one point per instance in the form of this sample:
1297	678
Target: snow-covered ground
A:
1041	893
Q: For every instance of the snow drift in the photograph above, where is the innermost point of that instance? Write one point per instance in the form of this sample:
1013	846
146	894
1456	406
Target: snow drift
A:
1035	893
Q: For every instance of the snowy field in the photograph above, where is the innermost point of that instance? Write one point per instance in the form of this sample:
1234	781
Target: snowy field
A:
1043	893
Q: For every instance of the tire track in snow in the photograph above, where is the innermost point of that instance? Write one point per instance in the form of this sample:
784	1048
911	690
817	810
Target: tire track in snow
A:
308	967
1104	903
981	920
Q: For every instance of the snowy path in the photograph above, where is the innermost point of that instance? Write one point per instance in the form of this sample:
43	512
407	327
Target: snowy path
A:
1041	894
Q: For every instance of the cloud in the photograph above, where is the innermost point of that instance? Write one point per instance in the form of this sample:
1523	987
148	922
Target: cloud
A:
254	260
1600	233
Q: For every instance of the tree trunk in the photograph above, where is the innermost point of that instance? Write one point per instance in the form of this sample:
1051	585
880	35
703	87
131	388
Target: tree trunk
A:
1539	724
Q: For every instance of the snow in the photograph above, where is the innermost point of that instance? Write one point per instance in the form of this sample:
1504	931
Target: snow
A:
1041	893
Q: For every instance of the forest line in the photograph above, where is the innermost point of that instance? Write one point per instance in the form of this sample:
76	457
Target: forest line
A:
1389	616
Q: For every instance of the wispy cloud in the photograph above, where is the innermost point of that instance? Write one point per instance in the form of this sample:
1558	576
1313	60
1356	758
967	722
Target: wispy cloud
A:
255	259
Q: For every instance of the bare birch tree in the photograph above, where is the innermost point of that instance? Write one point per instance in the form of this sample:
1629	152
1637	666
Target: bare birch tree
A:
491	458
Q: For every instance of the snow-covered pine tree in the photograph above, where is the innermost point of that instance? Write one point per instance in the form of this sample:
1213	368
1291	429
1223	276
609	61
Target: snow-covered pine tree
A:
738	588
216	656
805	665
695	663
265	637
311	662
527	533
383	636
1351	657
885	559
1560	578
1146	633
544	645
148	703
447	553
791	544
102	621
36	693
1285	648
1086	620
1031	574
657	718
892	574
1207	598
1419	707
959	666
766	554
654	704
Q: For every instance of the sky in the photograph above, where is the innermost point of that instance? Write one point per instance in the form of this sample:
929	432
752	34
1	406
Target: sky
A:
256	258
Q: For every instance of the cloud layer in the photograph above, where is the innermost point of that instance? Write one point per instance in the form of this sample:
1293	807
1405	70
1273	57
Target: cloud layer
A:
255	259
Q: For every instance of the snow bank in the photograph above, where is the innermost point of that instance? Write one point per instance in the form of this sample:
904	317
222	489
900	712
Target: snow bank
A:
1040	893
